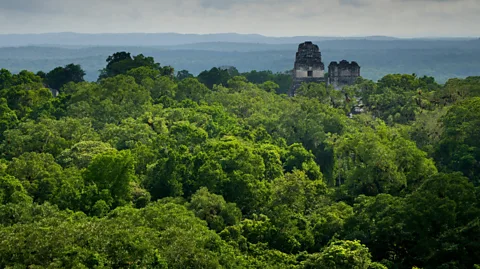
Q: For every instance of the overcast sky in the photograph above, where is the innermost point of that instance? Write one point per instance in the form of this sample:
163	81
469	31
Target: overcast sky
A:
403	18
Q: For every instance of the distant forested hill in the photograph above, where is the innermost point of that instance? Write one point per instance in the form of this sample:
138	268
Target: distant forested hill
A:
442	59
154	39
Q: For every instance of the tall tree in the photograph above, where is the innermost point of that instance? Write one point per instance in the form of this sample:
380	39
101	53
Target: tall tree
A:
458	149
121	62
60	76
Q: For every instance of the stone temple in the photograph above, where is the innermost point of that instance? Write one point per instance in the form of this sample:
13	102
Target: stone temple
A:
343	73
310	68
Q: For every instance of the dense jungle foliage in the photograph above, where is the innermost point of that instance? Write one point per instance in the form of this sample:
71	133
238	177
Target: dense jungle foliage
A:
146	168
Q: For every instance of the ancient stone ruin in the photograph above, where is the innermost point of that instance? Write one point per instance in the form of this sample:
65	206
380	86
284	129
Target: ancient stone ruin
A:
310	68
342	74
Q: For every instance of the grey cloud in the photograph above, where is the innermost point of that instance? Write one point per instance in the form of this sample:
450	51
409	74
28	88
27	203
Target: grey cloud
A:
24	5
269	17
438	1
355	3
228	4
211	4
219	4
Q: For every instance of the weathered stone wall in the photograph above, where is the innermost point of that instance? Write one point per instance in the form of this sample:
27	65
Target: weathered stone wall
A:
343	73
308	66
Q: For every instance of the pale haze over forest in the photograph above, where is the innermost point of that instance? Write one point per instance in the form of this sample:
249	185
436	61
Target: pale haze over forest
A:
401	18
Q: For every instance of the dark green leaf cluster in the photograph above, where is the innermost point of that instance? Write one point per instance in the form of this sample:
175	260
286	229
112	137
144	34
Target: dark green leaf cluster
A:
145	170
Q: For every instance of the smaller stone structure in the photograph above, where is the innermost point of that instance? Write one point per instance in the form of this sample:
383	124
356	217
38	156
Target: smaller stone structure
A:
54	92
342	74
308	66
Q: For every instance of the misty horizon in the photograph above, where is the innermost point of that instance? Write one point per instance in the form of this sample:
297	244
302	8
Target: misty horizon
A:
250	34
